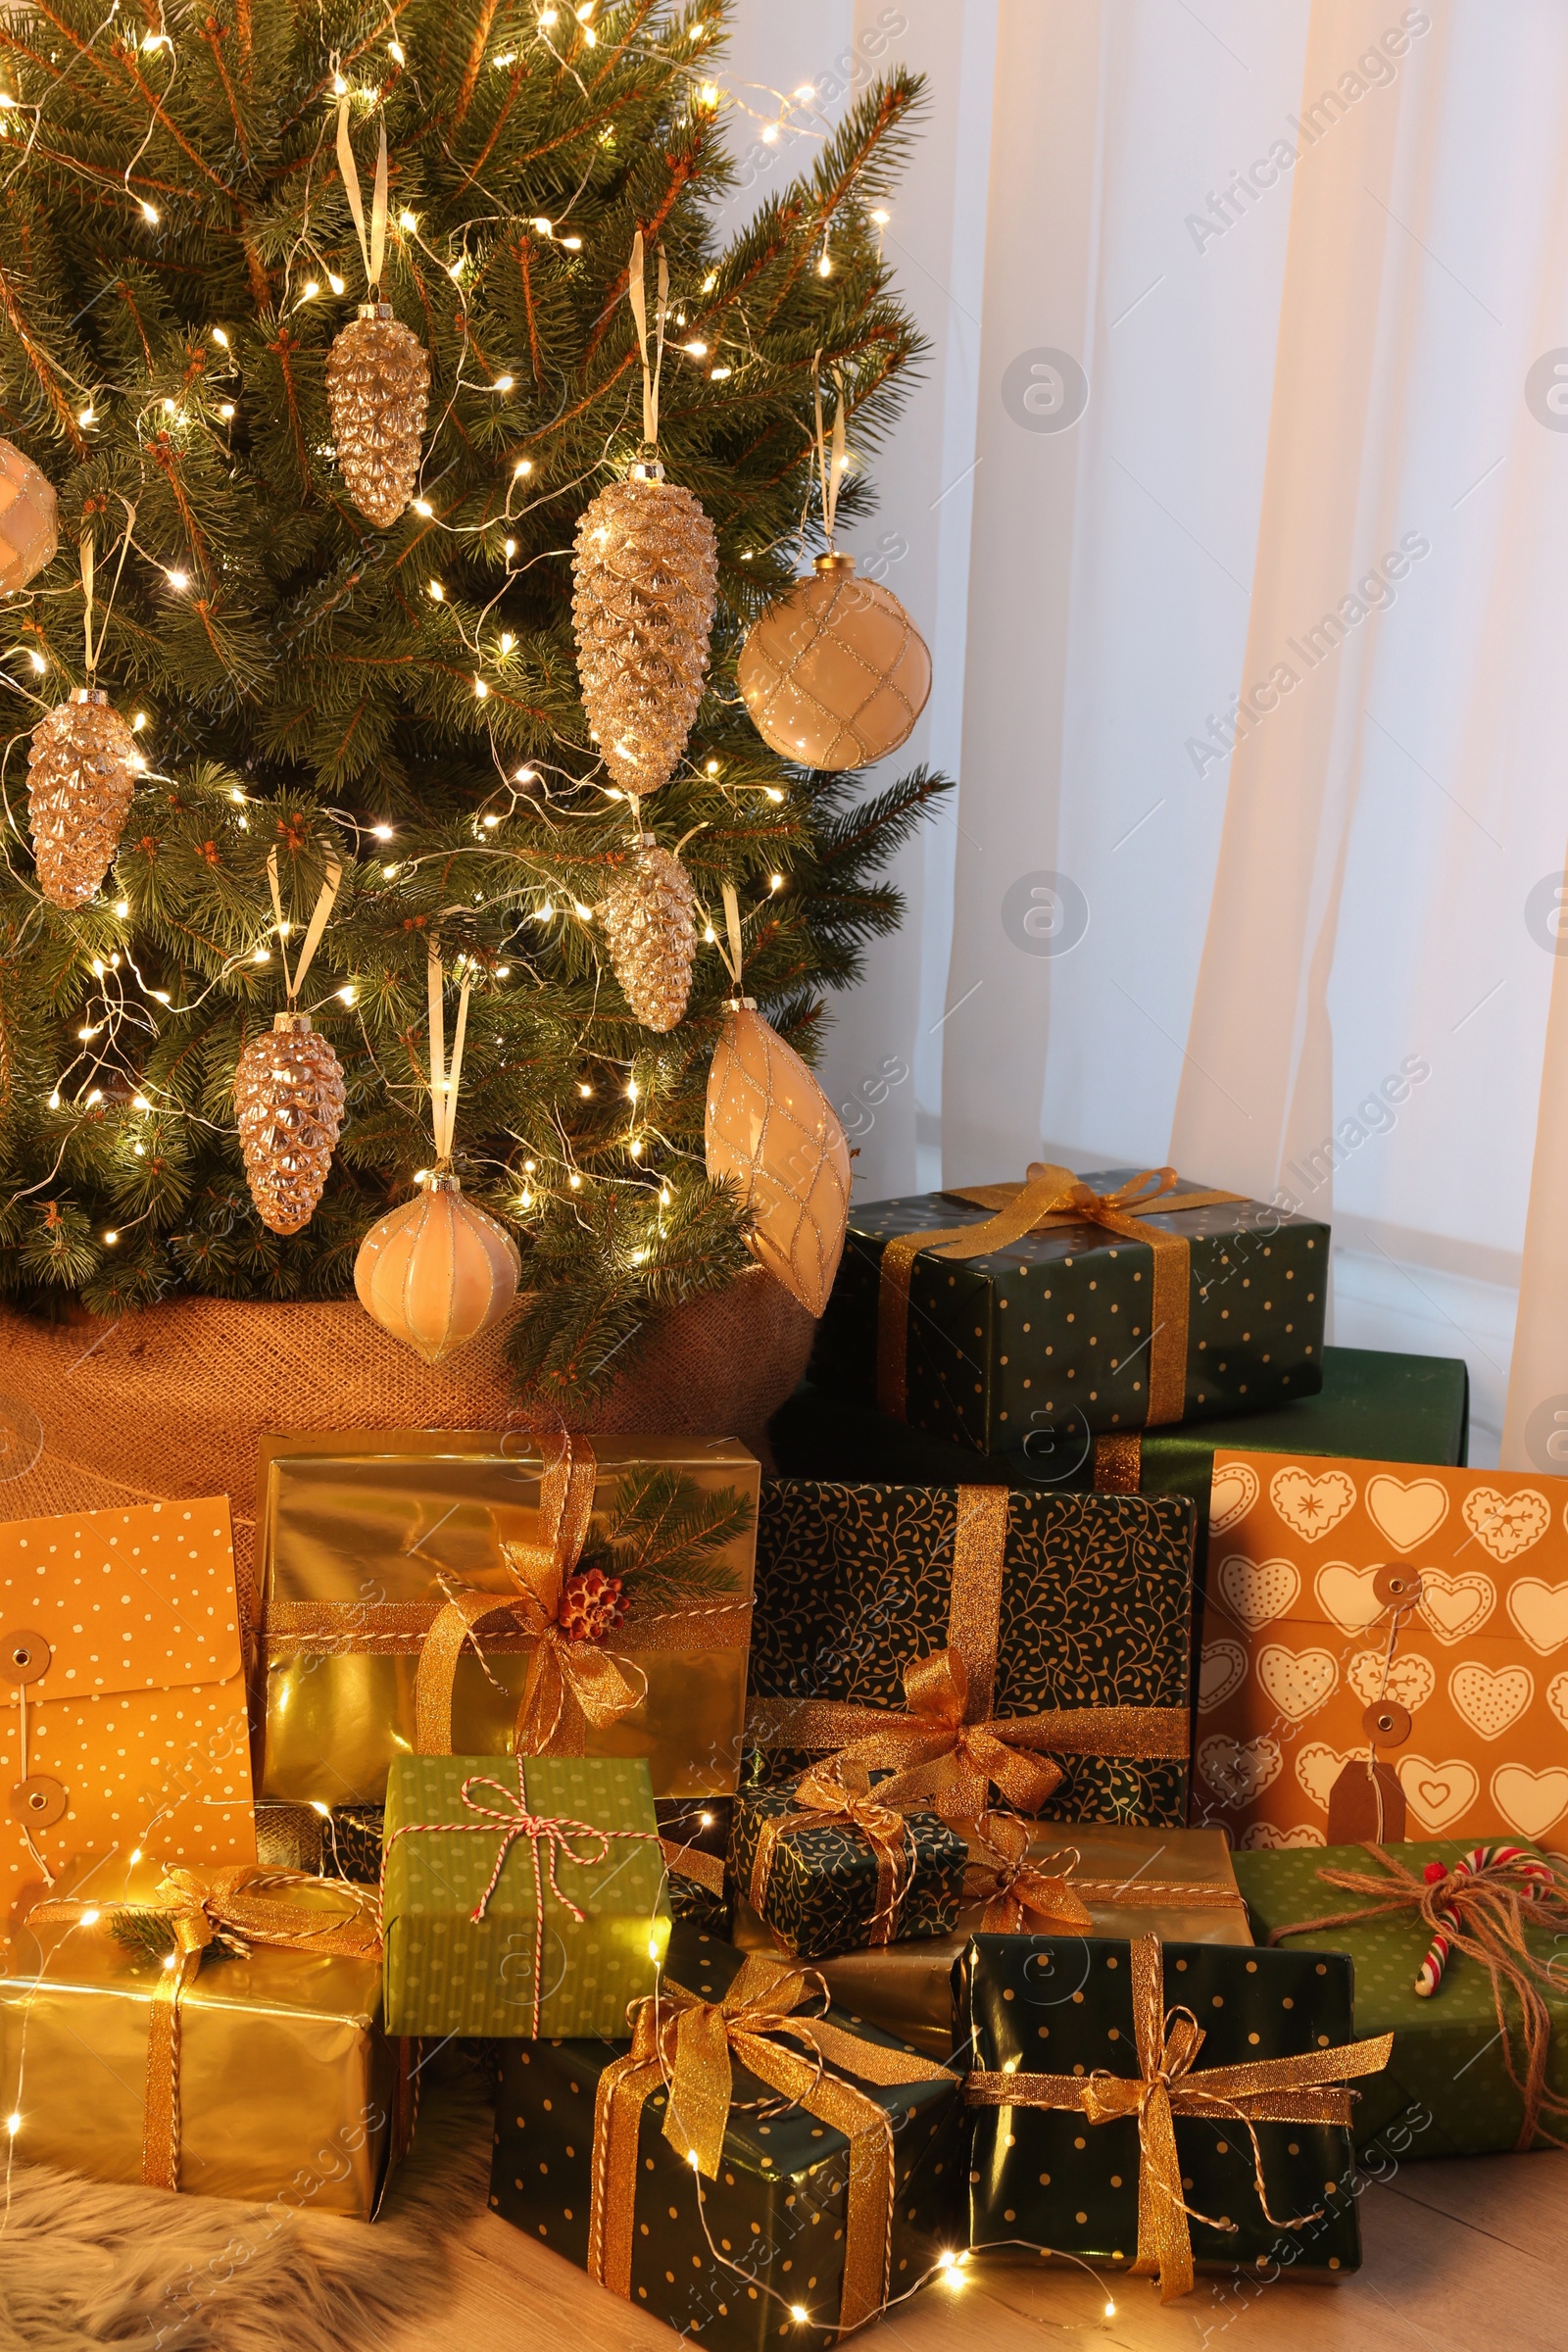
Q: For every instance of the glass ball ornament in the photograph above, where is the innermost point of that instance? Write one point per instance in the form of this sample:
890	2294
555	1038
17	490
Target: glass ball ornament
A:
772	1132
437	1272
835	673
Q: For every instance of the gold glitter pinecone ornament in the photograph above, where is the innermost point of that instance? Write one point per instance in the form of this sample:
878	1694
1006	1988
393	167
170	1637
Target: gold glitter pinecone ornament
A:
378	388
646	569
288	1093
82	775
652	940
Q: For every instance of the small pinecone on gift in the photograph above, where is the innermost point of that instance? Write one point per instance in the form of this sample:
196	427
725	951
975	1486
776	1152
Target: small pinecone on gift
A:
82	775
646	575
378	388
591	1605
648	921
288	1094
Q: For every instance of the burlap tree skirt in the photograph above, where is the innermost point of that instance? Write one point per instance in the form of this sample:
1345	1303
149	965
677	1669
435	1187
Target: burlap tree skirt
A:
170	1403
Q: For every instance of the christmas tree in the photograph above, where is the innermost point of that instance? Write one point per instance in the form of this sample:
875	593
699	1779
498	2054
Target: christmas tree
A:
179	252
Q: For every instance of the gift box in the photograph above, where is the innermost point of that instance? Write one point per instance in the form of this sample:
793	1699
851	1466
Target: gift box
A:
1109	1880
974	1641
830	1870
1310	1725
1151	2105
1455	2086
776	2172
695	1841
1066	1303
607	1587
524	1897
212	2030
123	1695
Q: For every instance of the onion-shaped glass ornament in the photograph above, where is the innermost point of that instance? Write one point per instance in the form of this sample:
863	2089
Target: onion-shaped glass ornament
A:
773	1133
377	389
82	776
836	673
288	1096
437	1272
30	530
646	573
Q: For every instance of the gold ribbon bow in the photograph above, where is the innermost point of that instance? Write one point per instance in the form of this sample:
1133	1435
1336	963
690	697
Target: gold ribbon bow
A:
571	1683
840	1795
1020	1895
1308	2088
694	2046
946	1748
239	1906
1051	1196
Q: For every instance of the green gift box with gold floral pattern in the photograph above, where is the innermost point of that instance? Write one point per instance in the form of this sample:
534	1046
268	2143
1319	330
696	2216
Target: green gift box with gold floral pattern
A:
1076	1327
826	1886
521	1894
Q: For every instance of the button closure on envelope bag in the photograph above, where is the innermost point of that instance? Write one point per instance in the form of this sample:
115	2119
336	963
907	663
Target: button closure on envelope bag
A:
24	1656
1397	1588
39	1801
1388	1723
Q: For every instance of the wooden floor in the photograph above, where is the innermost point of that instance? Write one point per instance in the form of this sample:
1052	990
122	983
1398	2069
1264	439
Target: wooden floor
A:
1457	2256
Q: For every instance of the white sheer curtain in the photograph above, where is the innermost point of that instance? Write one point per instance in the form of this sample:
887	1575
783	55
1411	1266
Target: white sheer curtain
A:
1246	328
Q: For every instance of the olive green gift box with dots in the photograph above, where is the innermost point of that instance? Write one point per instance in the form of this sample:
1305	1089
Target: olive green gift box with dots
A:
776	2214
447	1972
1051	1334
1048	2176
1446	2092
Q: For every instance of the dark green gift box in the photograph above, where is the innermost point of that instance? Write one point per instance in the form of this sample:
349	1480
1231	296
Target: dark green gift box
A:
821	1892
1053	1332
1049	2177
776	2215
1447	2090
448	1972
854	1582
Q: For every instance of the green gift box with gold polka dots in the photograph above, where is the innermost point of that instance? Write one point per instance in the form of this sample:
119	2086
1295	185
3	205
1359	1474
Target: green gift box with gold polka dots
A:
1048	2176
497	1836
1050	1336
1447	2090
754	2258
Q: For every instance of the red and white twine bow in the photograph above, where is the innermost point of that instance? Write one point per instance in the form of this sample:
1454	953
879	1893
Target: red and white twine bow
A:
549	1839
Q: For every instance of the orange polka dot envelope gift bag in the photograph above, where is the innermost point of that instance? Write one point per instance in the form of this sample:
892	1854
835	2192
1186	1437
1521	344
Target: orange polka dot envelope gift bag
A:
123	1720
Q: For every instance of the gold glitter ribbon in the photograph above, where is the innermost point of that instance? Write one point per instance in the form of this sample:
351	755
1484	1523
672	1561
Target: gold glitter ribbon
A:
240	1907
946	1749
571	1683
1303	2089
1051	1196
692	2046
842	1799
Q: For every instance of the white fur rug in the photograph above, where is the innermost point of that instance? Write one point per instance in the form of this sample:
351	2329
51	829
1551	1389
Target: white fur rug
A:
83	2266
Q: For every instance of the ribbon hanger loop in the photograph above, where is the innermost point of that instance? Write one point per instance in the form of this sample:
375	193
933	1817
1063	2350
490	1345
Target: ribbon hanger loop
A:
831	456
637	296
444	1083
326	899
372	242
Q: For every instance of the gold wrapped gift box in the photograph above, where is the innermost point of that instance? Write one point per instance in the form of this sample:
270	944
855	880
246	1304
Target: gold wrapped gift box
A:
1174	1884
368	1536
285	2089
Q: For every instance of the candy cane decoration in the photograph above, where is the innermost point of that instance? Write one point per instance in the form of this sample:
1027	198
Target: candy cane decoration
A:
1475	1865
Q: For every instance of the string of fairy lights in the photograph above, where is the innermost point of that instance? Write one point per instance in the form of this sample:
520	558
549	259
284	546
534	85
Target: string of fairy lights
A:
122	1009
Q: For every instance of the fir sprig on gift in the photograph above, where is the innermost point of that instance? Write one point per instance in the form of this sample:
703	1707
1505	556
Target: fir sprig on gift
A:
149	1935
663	1535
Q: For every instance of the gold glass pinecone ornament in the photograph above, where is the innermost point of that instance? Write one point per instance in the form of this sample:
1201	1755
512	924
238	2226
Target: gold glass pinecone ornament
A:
377	389
30	531
773	1133
646	569
652	940
437	1272
288	1094
82	775
836	673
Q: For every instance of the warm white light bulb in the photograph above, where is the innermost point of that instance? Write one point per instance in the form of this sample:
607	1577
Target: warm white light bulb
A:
480	689
423	506
311	290
179	579
346	995
340	88
407	221
149	212
523	466
334	281
502	383
227	411
394	50
507	641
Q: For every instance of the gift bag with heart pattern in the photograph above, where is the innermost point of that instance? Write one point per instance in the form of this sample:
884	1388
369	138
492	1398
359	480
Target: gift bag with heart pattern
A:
1412	1616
